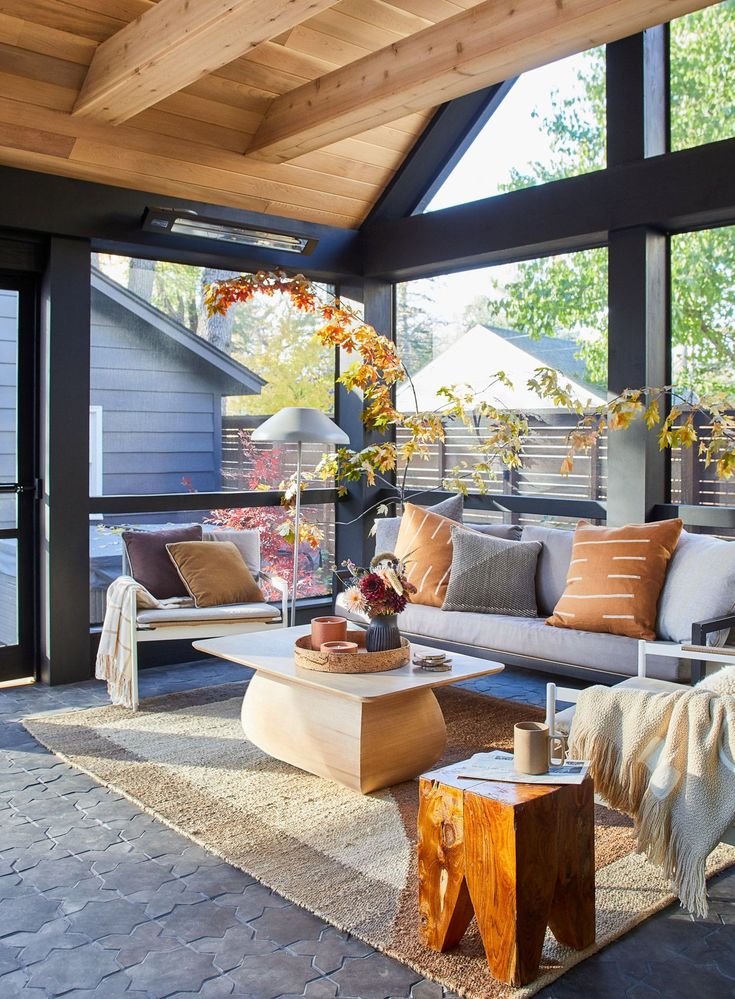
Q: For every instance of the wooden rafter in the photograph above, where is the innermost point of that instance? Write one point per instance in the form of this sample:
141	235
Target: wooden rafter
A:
176	42
486	44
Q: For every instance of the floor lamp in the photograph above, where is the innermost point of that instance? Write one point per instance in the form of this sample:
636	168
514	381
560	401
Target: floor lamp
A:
299	425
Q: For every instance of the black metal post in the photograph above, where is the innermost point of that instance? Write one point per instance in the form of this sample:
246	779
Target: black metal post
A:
353	524
638	273
64	426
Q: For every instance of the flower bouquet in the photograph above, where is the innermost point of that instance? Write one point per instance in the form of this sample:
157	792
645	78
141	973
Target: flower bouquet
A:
380	591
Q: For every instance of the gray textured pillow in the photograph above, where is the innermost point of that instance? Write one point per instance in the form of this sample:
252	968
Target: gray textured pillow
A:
492	576
699	585
386	528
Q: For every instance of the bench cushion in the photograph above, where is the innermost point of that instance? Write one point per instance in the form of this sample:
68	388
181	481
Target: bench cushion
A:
208	615
530	637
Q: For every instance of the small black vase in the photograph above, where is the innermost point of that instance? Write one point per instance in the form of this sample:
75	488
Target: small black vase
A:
383	634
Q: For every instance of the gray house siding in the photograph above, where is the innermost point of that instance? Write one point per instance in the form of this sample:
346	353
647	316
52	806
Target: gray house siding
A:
161	418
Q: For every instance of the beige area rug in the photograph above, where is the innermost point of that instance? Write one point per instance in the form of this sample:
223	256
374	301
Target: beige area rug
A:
345	857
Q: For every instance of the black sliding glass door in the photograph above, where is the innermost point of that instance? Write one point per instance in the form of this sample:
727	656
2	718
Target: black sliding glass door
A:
18	484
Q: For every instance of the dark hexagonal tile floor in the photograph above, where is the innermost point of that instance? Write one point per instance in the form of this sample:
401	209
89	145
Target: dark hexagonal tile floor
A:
98	899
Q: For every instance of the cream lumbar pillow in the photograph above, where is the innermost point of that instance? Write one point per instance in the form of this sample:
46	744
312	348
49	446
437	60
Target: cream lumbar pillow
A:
425	544
615	578
214	574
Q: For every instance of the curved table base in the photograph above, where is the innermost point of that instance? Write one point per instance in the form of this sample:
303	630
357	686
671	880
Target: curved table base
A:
365	745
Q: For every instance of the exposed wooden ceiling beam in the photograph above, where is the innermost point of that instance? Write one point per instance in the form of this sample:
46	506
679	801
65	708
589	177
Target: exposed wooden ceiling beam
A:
494	41
175	43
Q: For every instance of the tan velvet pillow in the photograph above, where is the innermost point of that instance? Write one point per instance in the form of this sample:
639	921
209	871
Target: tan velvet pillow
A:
214	574
425	542
615	578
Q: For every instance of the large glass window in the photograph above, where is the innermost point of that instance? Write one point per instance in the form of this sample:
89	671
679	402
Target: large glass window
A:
702	71
174	392
549	126
461	329
175	397
703	348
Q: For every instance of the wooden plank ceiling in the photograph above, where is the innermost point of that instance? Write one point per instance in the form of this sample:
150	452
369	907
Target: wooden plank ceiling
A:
287	99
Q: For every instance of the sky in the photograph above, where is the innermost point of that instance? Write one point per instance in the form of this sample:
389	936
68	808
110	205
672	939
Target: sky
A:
511	138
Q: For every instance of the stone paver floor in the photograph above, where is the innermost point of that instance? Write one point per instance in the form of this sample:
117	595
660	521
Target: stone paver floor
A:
99	899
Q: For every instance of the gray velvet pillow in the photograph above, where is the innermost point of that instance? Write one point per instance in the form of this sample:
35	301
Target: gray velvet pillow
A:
490	575
386	528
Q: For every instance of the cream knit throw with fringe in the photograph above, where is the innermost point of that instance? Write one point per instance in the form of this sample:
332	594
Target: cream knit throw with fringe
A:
668	760
115	655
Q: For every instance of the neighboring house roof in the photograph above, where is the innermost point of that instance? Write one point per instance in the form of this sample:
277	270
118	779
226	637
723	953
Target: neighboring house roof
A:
483	350
235	378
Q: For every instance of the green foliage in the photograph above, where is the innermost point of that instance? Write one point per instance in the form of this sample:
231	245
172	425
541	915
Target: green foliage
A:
271	337
567	295
702	71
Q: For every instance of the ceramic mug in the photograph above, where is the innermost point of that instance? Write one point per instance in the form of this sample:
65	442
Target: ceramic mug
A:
534	750
327	629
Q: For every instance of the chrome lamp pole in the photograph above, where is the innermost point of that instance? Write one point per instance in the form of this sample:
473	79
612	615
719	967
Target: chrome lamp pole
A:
299	425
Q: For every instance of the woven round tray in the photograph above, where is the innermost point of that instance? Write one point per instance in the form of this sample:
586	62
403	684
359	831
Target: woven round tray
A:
361	661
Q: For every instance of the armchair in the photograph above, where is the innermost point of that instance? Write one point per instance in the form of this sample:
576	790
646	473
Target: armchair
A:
189	622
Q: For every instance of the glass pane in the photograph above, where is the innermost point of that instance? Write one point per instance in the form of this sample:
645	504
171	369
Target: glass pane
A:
106	546
549	126
703	349
172	389
8	393
702	71
8	592
461	329
8	511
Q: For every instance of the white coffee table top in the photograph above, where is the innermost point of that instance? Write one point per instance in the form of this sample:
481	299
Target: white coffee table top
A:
271	652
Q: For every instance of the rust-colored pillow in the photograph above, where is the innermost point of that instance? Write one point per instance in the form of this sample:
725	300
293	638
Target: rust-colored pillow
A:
425	542
214	574
615	578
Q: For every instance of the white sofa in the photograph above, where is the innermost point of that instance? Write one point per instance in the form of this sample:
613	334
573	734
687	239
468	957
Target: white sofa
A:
696	604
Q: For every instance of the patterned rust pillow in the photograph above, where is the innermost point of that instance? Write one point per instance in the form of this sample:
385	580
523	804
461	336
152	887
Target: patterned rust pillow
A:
615	578
425	543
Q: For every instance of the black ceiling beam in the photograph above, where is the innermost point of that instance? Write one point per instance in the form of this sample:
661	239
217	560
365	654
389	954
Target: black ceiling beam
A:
111	218
673	192
434	155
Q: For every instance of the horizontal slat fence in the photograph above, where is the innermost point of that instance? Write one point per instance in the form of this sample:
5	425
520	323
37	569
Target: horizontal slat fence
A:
539	476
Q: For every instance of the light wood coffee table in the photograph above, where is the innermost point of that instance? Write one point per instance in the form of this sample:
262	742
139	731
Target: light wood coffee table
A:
366	731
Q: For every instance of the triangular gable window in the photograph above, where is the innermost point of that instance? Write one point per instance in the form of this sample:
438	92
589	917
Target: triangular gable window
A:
550	125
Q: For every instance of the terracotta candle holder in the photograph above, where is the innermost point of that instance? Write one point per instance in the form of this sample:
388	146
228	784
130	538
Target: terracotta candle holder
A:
338	647
327	629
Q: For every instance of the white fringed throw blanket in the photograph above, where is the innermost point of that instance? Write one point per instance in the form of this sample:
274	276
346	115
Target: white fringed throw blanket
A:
117	641
668	760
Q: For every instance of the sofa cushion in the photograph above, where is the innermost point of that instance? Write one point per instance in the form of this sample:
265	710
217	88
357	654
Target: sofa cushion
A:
386	528
491	575
149	562
700	584
553	563
528	636
508	532
615	578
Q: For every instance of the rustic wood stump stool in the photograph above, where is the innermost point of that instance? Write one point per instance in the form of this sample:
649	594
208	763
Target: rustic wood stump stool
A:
520	857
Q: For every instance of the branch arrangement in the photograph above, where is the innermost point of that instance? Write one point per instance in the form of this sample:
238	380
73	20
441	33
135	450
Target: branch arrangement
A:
500	434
